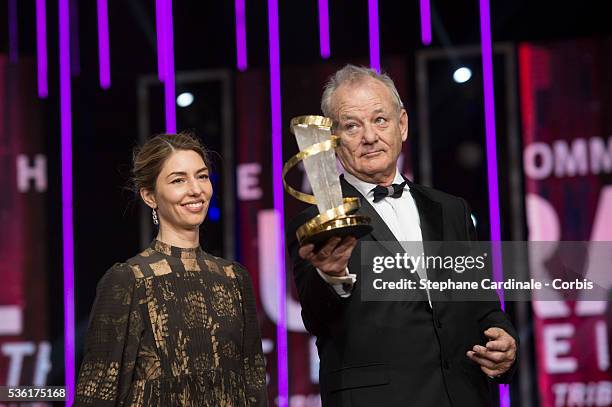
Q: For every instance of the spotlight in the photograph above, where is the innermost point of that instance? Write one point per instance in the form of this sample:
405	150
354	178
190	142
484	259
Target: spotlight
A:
462	75
184	99
474	221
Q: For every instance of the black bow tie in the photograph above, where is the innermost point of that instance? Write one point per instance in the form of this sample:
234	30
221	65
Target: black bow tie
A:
394	191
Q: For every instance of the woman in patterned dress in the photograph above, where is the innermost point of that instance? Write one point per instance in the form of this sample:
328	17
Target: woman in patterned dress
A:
173	325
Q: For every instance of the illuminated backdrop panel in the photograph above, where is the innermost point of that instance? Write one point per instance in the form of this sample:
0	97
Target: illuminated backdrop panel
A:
25	348
567	132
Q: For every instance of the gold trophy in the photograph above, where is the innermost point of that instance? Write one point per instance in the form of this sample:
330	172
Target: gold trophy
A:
336	214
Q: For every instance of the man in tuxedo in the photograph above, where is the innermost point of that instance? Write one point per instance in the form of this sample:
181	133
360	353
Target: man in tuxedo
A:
392	353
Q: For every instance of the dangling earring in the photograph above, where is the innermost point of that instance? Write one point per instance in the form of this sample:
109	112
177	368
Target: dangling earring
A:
154	216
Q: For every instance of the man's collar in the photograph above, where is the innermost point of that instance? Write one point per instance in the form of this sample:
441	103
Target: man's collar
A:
365	188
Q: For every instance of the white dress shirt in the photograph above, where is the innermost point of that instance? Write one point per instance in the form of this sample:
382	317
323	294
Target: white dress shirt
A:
399	214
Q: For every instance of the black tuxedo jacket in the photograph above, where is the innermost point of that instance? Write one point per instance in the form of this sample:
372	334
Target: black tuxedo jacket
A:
398	353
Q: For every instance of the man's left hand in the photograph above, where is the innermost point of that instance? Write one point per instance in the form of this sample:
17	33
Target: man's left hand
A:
498	355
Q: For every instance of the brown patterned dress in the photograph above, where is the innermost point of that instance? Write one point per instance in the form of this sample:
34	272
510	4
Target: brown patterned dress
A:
173	327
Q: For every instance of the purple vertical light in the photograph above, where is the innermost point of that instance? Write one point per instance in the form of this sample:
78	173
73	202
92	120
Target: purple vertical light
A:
41	48
103	48
277	189
161	40
491	147
13	32
490	134
75	65
324	28
169	90
67	215
373	29
241	41
425	22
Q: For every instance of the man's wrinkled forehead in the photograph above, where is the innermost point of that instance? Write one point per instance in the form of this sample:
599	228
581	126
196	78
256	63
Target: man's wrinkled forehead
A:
355	110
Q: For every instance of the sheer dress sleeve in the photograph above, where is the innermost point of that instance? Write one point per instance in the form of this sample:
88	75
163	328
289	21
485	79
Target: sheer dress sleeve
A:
112	340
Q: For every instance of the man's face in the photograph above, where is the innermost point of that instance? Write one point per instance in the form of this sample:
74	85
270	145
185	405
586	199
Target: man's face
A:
371	130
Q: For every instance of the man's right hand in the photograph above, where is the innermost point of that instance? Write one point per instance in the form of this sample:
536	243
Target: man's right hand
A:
331	259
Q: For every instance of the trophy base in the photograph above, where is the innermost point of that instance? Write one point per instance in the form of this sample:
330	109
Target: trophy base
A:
348	225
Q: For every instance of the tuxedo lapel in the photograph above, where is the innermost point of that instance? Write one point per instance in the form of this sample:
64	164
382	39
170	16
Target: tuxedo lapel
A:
430	214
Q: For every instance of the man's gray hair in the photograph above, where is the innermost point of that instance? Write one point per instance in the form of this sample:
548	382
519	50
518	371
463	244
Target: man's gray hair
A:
351	74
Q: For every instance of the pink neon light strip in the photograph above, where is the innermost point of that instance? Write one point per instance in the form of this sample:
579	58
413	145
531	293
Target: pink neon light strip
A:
279	205
161	39
241	40
425	22
41	48
373	30
169	89
324	29
75	63
165	59
103	47
491	150
67	197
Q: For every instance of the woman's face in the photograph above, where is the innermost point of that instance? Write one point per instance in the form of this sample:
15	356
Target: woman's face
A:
182	191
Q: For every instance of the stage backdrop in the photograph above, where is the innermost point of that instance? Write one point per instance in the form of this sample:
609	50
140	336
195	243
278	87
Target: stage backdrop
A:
301	92
566	106
24	340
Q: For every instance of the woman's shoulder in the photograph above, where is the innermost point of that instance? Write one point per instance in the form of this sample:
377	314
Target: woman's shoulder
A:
119	273
126	273
118	282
